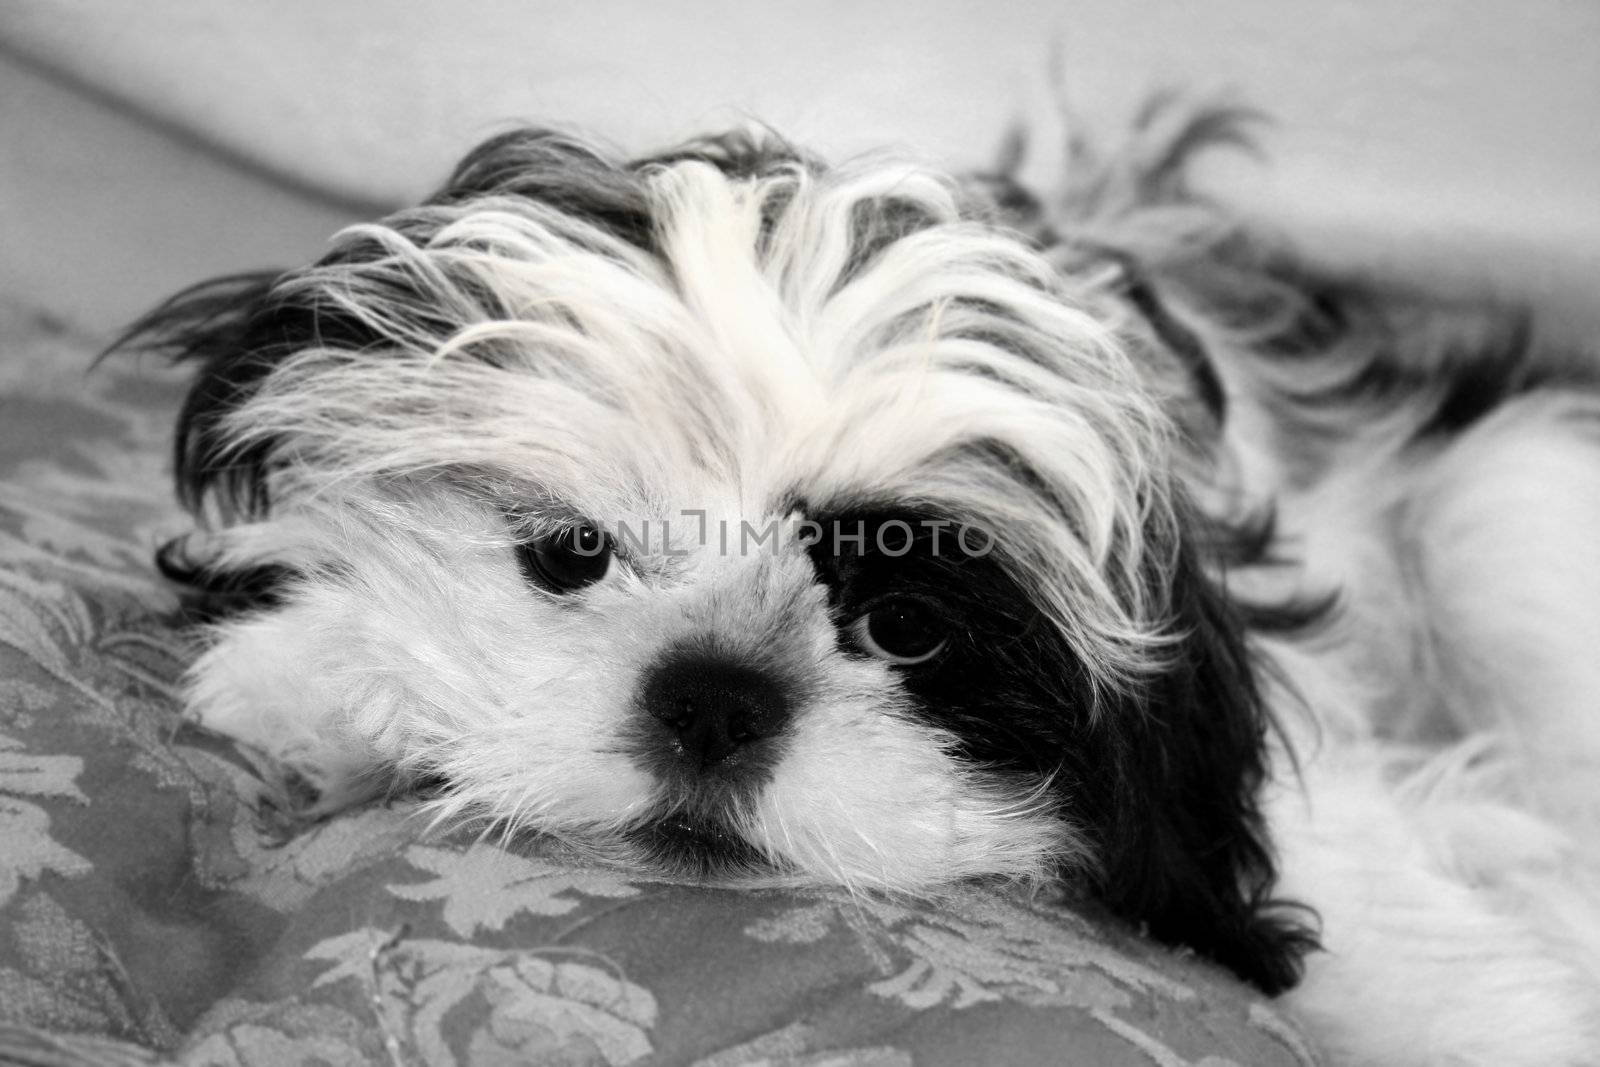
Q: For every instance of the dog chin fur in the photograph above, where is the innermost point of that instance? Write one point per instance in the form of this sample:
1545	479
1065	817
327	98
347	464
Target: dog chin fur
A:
1282	632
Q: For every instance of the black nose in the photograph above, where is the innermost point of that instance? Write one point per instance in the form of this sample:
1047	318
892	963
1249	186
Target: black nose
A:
714	708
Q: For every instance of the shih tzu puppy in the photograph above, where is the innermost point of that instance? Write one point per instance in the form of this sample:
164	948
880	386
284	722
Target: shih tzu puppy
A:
729	512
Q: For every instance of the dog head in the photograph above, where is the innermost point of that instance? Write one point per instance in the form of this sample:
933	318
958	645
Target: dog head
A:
724	510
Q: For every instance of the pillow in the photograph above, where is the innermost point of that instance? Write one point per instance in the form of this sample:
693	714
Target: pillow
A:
152	909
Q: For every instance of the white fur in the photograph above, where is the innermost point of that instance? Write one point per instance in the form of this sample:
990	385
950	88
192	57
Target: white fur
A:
1461	918
1448	922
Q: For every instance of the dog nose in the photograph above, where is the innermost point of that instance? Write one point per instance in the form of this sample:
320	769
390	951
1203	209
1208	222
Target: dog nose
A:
715	708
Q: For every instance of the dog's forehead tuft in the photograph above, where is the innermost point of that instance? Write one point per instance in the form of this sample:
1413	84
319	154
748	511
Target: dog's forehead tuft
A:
695	332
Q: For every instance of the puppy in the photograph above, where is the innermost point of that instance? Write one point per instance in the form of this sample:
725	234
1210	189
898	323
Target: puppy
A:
729	512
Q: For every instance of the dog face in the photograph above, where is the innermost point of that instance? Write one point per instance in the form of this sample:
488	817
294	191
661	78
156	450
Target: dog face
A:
726	512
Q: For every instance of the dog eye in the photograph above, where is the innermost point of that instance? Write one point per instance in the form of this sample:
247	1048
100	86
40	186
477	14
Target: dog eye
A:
567	560
902	631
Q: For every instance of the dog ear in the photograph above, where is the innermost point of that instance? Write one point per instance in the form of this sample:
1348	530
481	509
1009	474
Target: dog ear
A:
230	329
236	329
1186	851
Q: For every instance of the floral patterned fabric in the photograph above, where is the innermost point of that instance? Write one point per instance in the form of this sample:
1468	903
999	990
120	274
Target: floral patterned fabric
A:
150	911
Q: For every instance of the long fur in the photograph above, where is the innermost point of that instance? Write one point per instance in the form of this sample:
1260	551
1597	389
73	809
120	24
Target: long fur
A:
1183	445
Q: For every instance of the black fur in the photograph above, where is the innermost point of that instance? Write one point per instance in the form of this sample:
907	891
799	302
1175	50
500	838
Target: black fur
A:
555	169
227	327
1185	848
1163	776
214	593
1180	342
